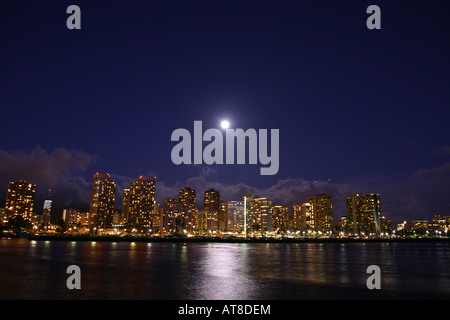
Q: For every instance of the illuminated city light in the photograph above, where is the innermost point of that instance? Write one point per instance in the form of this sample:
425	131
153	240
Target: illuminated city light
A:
251	217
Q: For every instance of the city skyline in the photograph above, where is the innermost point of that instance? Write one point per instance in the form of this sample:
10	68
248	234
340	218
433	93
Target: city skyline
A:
211	153
358	110
251	215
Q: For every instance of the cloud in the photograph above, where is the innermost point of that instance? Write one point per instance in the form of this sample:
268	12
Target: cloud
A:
67	172
58	170
445	150
413	206
42	167
71	192
207	171
63	171
284	192
444	169
419	195
406	208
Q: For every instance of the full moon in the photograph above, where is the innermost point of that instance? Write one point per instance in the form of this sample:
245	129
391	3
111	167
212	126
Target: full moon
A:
225	124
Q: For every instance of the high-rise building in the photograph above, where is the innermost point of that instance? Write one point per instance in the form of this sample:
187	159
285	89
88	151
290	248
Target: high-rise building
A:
124	216
173	218
385	226
280	218
223	216
172	202
43	220
363	214
46	212
141	204
322	211
259	214
187	198
207	222
75	218
156	222
235	216
3	217
83	219
102	201
201	223
212	203
20	200
342	225
211	200
116	221
313	216
303	219
70	217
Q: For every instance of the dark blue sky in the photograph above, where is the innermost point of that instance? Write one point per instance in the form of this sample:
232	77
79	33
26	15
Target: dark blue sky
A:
368	109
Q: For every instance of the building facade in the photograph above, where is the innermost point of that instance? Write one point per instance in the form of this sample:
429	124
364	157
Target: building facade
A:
363	215
303	217
322	213
280	218
102	201
187	197
211	200
259	214
141	204
235	216
124	214
20	200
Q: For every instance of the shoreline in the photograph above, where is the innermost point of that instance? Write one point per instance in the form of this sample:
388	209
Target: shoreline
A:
222	240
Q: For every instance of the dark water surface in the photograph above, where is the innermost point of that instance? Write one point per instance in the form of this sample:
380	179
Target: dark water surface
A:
230	271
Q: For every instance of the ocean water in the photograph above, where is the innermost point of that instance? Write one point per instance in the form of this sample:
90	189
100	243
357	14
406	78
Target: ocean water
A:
223	271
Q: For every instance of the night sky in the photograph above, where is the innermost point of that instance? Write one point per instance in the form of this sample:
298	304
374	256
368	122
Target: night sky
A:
358	110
